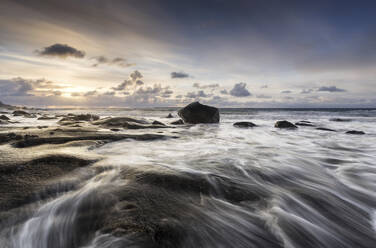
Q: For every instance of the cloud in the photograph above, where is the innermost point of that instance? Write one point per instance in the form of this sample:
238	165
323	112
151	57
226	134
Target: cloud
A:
264	86
26	87
306	91
224	92
208	86
179	75
286	92
330	89
115	61
91	93
135	75
133	80
123	85
262	96
240	90
198	94
15	87
61	51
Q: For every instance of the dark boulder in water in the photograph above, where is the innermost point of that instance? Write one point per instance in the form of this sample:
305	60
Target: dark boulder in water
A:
285	124
178	122
244	124
355	132
169	116
198	113
340	120
326	129
4	118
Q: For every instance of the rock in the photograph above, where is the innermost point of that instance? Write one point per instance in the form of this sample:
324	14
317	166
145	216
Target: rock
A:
244	124
178	122
117	121
5	137
198	113
2	122
47	118
304	123
23	113
115	129
4	118
325	129
340	120
169	116
158	123
355	132
285	124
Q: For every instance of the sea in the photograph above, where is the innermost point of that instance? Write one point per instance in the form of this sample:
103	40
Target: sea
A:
217	185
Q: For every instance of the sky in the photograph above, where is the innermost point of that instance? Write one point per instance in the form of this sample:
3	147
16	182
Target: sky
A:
158	53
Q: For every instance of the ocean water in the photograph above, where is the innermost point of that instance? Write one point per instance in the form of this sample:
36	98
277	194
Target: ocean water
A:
218	186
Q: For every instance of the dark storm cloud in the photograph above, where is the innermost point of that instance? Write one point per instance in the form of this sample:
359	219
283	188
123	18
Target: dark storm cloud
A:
179	75
61	50
330	89
240	90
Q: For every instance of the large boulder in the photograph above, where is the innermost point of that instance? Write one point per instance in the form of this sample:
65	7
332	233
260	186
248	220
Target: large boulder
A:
285	124
23	113
198	113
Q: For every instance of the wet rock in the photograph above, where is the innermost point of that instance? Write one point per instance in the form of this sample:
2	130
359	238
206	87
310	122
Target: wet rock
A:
326	129
169	116
2	122
117	121
6	137
285	124
244	124
158	123
23	113
340	120
178	122
47	118
198	113
82	117
115	129
80	137
4	118
304	123
355	132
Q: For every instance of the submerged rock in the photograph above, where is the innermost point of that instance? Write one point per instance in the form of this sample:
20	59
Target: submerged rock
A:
326	129
47	118
198	113
285	124
340	120
355	132
304	123
4	118
169	116
158	123
244	124
178	122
